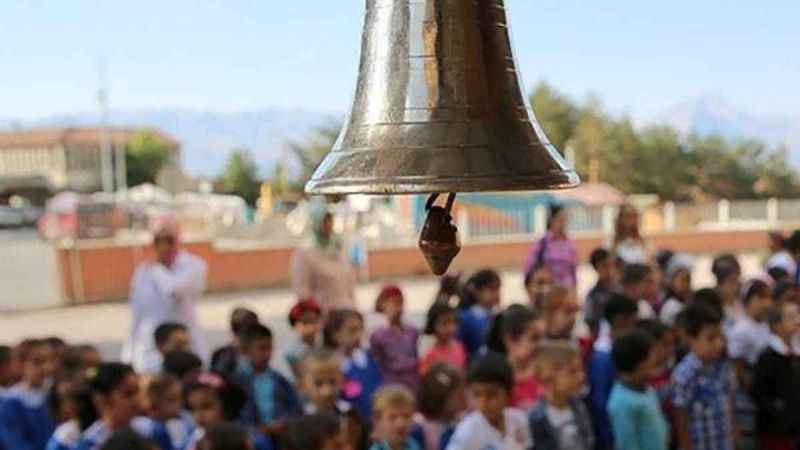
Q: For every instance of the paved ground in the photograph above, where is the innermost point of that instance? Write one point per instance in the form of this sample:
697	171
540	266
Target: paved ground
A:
27	274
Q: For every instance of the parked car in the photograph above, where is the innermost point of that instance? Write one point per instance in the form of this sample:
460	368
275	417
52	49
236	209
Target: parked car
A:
11	217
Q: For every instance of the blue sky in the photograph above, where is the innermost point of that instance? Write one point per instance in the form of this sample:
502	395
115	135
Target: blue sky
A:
639	57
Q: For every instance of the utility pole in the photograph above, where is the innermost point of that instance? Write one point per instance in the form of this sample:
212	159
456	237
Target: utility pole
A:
106	155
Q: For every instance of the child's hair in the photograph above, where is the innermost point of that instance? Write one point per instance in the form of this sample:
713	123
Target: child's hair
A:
225	436
302	307
73	360
5	354
55	342
335	322
697	316
100	381
653	327
781	289
755	288
635	273
598	256
630	350
619	305
77	390
127	439
511	322
254	333
180	363
481	279
25	348
386	293
437	310
165	330
725	266
319	355
159	384
309	431
558	292
231	396
242	318
449	287
533	271
392	396
778	274
436	387
710	298
775	315
491	368
552	357
663	257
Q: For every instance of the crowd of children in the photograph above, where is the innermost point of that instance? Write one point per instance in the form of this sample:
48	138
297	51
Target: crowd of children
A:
650	364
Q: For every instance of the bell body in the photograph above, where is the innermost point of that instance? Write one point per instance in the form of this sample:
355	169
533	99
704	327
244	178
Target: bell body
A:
439	107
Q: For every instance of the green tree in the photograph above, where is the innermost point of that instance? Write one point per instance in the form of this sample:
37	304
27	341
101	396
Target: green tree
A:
145	155
556	113
310	153
240	176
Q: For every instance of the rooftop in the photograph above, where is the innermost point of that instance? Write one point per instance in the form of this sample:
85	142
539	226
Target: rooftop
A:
49	137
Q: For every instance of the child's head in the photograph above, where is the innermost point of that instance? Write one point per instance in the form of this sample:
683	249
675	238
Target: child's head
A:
482	289
172	336
728	273
633	357
559	369
343	330
115	393
319	431
321	379
9	366
605	264
59	347
127	439
212	401
164	397
709	297
785	292
37	361
305	317
639	282
226	436
663	341
390	303
490	380
256	342
784	320
516	332
441	393
442	321
63	400
392	409
757	299
620	313
704	332
678	276
79	358
184	365
241	319
559	311
538	282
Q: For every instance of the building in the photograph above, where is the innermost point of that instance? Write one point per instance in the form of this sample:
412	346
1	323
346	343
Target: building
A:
39	162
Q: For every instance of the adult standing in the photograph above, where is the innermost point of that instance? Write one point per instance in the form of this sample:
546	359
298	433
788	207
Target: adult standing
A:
627	242
164	290
556	250
321	270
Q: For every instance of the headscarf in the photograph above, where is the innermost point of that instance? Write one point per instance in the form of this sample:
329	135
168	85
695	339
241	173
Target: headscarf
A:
318	210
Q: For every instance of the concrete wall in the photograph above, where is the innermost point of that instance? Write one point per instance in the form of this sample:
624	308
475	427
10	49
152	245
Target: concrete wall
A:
91	272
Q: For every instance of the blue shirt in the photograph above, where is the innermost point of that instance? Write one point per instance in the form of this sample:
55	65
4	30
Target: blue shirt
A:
362	378
473	328
270	396
173	434
636	419
25	422
602	374
411	444
66	436
706	392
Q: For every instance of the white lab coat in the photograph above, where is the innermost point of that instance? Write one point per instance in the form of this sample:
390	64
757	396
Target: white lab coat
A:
159	295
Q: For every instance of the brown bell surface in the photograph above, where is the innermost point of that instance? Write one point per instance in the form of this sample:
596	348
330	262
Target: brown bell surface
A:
439	107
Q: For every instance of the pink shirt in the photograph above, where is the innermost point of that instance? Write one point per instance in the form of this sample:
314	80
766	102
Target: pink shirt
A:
452	354
526	393
560	255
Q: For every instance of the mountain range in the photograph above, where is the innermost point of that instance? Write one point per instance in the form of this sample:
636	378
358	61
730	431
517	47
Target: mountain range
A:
207	138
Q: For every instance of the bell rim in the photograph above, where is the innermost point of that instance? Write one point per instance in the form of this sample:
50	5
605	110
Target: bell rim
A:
560	180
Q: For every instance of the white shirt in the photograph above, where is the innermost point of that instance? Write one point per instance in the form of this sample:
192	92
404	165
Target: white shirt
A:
783	260
646	311
160	295
747	339
474	432
632	251
672	307
566	427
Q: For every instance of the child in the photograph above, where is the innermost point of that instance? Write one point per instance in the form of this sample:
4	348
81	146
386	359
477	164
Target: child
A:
639	284
394	346
750	334
114	390
704	384
224	359
608	277
393	407
169	337
226	436
9	369
442	323
492	425
634	409
728	273
481	297
25	420
320	431
538	282
441	401
362	377
620	316
81	358
304	318
677	288
559	312
184	365
560	420
270	396
516	334
126	439
168	425
776	382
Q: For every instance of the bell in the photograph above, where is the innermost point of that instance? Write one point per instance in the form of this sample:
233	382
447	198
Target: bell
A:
439	107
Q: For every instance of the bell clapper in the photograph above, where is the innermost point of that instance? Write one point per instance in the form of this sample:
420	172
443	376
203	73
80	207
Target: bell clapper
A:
439	241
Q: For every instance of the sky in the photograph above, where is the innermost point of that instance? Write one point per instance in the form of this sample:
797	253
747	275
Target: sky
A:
640	58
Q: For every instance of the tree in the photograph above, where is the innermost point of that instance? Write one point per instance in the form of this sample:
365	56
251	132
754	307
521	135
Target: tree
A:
240	176
556	113
145	155
309	154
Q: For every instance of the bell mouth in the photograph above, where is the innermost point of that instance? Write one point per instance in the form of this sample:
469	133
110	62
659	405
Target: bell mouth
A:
560	179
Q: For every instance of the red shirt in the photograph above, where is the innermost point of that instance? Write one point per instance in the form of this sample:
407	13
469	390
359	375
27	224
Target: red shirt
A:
452	353
526	393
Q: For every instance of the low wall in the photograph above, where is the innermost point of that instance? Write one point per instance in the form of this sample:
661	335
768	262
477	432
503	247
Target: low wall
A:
94	271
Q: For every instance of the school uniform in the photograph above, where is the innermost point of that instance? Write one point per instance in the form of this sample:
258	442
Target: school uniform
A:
601	376
65	437
172	434
431	434
595	304
395	351
776	392
410	444
636	419
473	327
270	396
746	340
260	442
25	421
569	428
3	394
474	432
362	378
